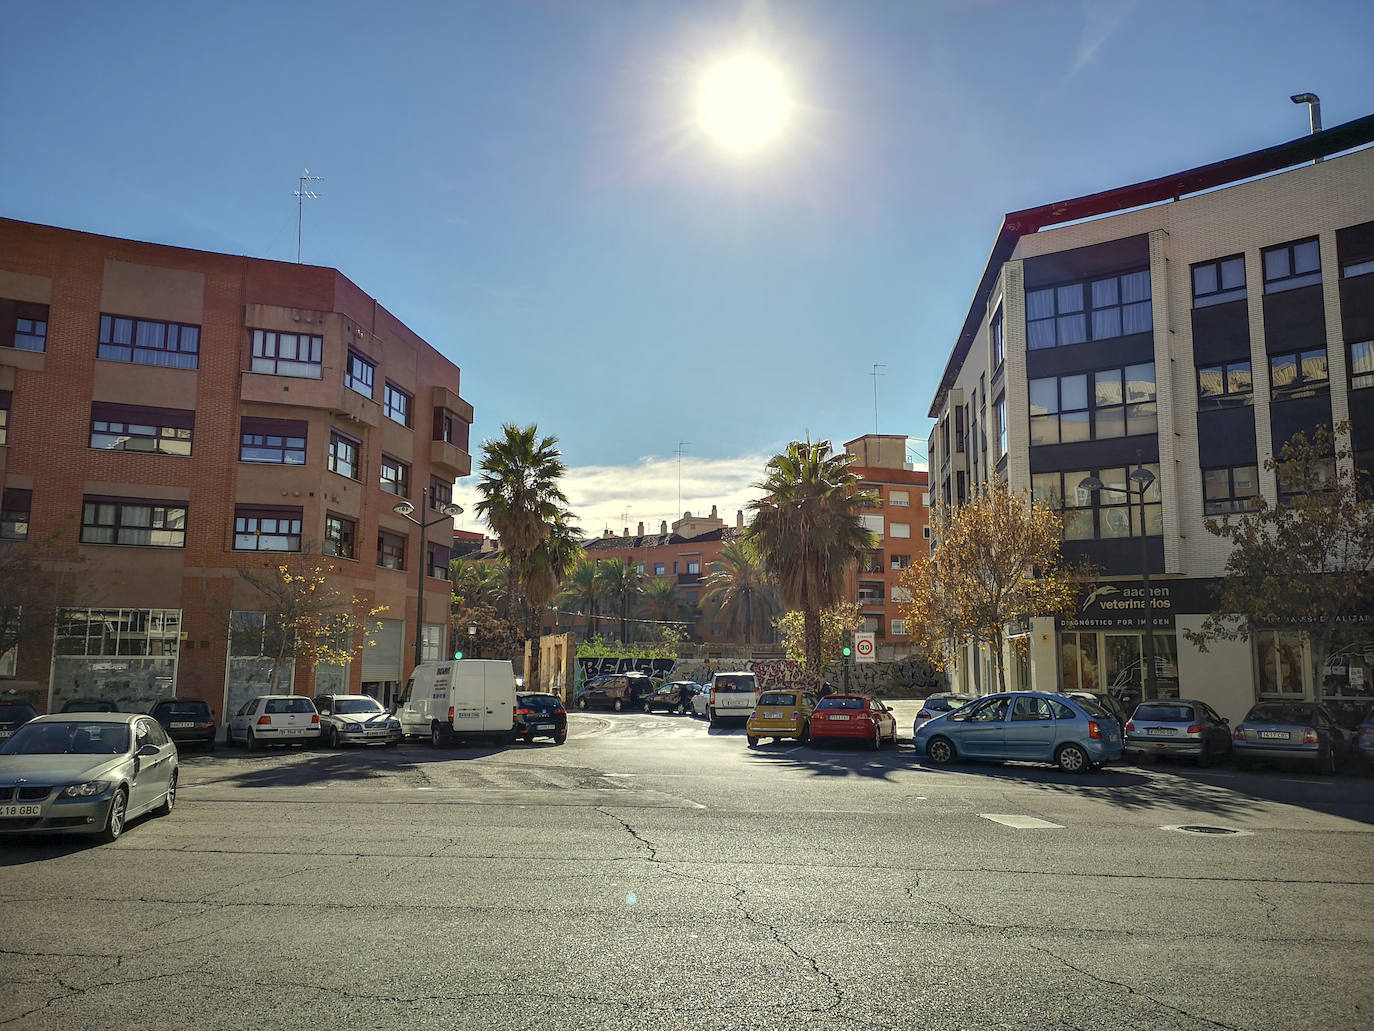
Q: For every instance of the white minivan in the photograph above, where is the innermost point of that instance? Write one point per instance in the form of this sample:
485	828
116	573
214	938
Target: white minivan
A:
459	699
732	694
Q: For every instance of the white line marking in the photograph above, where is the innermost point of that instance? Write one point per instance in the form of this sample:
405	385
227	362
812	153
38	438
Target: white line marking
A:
1021	823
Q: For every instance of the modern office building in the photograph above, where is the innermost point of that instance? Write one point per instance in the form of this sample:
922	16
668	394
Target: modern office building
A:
1188	325
177	416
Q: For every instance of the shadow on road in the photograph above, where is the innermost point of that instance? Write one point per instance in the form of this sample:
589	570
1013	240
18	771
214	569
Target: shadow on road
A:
356	765
831	760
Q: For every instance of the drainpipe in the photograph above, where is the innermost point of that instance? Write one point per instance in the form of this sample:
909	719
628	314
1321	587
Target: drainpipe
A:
1314	110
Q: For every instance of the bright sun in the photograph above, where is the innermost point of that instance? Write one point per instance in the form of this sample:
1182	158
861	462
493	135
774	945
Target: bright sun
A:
743	103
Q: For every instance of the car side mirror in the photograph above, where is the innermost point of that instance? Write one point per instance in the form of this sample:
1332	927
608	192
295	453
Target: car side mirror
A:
148	750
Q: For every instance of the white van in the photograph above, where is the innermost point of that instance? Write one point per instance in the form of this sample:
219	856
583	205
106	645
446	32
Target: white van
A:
462	698
732	694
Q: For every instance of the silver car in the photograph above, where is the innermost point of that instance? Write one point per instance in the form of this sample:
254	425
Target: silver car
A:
86	773
356	719
275	719
938	705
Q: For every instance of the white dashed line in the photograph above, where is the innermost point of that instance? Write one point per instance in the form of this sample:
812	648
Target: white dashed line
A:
1022	823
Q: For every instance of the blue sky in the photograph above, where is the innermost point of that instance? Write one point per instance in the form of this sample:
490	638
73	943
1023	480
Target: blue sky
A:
524	183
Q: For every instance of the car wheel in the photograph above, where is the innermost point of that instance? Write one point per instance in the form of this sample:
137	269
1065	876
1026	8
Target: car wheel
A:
210	745
250	742
618	704
1204	757
940	751
877	741
805	734
558	739
333	739
648	707
114	823
711	714
1326	765
682	709
1072	759
753	741
171	799
582	704
436	737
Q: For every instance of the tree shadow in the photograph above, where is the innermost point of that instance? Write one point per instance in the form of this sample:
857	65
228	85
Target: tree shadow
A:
830	760
354	765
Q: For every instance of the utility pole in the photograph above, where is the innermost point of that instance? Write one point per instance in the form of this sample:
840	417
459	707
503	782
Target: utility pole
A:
875	374
301	194
680	445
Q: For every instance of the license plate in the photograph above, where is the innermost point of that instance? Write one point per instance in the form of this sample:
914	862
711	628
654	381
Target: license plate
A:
1280	735
1162	731
5	733
772	715
296	730
21	810
466	715
839	717
181	726
543	726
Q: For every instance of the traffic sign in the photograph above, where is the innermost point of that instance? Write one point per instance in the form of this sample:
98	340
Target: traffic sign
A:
863	647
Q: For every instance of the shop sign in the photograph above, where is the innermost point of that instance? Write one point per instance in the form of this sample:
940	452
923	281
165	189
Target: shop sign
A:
1121	605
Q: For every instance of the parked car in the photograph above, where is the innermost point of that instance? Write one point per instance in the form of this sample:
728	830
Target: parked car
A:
356	719
1114	708
732	694
187	721
90	705
701	701
275	719
1299	731
14	715
938	705
781	714
86	774
459	700
540	715
617	691
1074	733
675	696
1177	726
853	717
1364	741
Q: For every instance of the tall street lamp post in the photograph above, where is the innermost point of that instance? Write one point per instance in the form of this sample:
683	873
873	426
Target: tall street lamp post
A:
1142	479
404	509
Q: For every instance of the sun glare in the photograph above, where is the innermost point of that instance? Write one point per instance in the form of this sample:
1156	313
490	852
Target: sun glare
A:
743	103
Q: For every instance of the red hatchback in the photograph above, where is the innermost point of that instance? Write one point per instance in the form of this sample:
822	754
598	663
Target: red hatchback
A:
853	717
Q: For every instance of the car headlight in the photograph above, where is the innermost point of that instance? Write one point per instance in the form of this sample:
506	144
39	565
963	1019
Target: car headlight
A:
351	728
84	790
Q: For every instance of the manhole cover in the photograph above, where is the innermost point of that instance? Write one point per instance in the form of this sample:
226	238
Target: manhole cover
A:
1202	828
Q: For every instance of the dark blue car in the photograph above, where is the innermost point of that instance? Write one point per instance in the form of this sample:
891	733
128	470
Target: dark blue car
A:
1073	733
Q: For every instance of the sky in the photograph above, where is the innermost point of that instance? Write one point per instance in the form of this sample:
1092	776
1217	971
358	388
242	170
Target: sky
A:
527	184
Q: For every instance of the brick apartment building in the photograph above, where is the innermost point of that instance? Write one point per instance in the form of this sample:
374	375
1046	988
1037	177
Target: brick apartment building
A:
901	522
182	414
1191	324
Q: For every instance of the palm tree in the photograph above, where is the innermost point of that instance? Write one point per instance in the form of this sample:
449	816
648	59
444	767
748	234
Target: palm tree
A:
480	582
662	602
808	532
739	593
621	583
582	593
520	496
552	559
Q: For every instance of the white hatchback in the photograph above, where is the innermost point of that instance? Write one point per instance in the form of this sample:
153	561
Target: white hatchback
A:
275	719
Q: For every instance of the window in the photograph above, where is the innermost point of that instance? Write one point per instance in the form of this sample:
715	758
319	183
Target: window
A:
14	515
1228	381
287	354
1361	369
391	550
272	441
899	562
396	404
998	340
872	523
440	492
1357	268
1097	309
1233	489
162	431
658	569
145	342
899	499
1295	481
999	408
266	528
898	628
148	524
1298	370
5	400
899	529
639	568
1105	514
343	455
340	536
1292	265
23	326
925	532
1216	282
1121	403
395	476
1280	661
436	561
693	567
149	632
361	374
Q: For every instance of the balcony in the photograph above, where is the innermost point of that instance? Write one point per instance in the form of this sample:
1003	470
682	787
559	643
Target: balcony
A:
343	402
449	458
689	579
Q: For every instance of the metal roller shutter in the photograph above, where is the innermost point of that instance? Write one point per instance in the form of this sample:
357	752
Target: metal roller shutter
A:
382	661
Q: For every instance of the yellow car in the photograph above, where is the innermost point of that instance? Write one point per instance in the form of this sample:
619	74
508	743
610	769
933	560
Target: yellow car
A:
784	713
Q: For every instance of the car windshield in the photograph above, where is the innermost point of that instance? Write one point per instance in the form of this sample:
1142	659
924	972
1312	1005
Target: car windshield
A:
940	704
1093	709
279	705
69	737
539	702
1282	712
89	705
357	703
777	698
735	682
1164	713
13	713
181	709
840	703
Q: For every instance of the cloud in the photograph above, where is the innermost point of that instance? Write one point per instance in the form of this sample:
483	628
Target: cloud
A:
616	496
1102	19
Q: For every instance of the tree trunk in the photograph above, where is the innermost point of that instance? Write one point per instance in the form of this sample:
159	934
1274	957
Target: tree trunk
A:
748	621
532	629
997	648
811	632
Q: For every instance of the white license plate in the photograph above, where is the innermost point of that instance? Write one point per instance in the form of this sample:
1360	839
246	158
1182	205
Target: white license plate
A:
772	715
5	733
839	717
21	810
543	726
466	715
1162	731
1279	735
296	730
181	726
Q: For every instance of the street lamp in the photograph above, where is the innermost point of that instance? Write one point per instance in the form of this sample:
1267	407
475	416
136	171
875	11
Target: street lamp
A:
446	510
1143	479
472	640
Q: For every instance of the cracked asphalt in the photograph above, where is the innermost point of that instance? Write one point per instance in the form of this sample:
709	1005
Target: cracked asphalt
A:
653	873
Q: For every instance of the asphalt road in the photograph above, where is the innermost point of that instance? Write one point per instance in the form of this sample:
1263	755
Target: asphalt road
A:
652	873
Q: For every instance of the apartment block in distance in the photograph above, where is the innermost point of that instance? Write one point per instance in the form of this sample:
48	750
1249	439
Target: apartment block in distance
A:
1189	326
180	415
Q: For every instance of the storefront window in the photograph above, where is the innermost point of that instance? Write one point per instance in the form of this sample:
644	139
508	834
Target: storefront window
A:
1347	681
1078	660
1280	662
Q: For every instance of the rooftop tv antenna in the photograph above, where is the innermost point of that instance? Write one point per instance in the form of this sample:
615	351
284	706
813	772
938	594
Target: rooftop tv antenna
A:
301	194
875	374
680	445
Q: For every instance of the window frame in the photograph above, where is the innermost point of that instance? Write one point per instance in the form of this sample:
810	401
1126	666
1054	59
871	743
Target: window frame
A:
16	508
1290	280
245	514
1360	379
13	329
1231	503
1100	504
396	400
106	342
1226	370
440	491
391	544
997	340
118	525
1127	409
340	536
6	405
1089	309
433	561
1221	294
161	426
268	429
1302	382
354	380
398	484
260	360
338	441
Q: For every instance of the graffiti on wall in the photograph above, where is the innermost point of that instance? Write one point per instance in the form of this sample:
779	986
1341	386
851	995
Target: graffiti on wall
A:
659	669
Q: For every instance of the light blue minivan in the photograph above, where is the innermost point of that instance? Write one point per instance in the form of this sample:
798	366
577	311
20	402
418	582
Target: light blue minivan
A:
1028	726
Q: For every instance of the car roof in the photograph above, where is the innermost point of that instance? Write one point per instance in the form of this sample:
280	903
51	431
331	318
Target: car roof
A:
535	694
89	717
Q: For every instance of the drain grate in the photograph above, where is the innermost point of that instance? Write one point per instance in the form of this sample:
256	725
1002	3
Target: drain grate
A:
1202	828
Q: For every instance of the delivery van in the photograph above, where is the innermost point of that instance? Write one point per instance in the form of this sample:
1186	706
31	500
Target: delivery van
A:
465	698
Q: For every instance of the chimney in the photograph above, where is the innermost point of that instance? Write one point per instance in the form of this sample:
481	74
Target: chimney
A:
607	532
739	519
627	531
641	530
713	512
663	527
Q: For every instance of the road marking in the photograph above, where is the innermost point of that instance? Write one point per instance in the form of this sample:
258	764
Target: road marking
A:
1022	823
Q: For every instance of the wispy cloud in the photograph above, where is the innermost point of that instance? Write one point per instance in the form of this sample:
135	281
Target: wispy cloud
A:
1102	19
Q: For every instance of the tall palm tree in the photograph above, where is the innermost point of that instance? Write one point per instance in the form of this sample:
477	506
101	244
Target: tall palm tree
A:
740	595
521	498
663	603
621	584
808	532
480	582
552	559
582	593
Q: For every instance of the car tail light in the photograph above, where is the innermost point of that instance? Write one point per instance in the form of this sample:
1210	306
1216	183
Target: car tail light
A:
1094	731
1309	736
560	711
1130	726
524	712
264	721
923	715
713	696
1239	735
315	717
796	716
450	714
1195	728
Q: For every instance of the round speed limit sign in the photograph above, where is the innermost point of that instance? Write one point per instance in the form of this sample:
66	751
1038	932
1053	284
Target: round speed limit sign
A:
864	646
